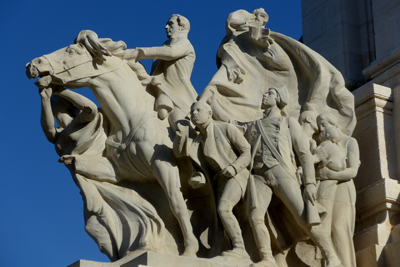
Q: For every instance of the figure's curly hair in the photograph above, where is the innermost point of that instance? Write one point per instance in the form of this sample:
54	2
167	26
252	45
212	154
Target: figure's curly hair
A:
182	21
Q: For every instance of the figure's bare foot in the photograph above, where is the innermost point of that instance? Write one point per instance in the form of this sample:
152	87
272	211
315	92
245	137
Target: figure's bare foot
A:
333	262
191	249
264	263
236	252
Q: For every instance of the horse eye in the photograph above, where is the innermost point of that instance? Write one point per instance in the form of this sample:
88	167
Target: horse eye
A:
72	51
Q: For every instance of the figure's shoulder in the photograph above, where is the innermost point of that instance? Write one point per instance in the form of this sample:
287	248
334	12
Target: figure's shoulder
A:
292	122
351	141
226	127
188	44
221	124
181	41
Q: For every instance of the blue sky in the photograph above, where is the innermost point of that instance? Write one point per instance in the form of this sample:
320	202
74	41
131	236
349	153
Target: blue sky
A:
42	210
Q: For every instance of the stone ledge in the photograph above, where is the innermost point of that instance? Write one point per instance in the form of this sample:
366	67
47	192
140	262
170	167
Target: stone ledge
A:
385	190
152	259
378	234
392	254
371	257
86	263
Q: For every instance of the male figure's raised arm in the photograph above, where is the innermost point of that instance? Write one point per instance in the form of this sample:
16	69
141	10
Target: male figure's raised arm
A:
47	117
88	107
165	52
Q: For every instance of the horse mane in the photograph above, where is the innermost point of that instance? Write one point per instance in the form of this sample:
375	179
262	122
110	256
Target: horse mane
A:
99	48
115	48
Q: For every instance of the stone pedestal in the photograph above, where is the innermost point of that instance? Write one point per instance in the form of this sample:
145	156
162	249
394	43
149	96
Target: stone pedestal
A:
151	259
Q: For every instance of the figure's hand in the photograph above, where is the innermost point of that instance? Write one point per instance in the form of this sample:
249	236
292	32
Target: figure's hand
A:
229	172
236	74
67	159
324	173
45	92
309	193
324	150
268	41
182	128
44	82
197	180
57	88
212	98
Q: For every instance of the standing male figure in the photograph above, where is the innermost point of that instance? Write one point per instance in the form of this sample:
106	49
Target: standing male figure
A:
171	70
274	172
225	153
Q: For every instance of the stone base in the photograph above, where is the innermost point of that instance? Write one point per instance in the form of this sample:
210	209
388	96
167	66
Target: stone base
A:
152	259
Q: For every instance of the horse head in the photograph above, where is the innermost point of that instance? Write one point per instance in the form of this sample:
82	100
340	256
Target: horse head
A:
74	65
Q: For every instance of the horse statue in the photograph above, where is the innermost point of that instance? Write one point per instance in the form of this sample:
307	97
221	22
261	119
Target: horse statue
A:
138	145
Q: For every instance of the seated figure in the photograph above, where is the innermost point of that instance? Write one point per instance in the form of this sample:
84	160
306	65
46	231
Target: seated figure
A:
171	70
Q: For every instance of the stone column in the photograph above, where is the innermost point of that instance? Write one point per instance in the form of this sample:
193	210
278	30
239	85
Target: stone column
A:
378	204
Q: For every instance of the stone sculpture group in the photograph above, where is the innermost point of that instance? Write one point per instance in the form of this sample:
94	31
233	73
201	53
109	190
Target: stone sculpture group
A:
260	174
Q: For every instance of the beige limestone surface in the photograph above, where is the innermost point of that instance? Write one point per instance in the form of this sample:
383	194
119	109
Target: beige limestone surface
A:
157	185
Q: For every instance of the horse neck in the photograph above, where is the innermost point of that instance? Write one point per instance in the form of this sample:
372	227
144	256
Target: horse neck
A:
123	98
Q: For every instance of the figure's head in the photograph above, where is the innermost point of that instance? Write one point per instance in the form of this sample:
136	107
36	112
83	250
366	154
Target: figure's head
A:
275	97
200	113
308	122
177	24
63	110
328	127
240	21
261	16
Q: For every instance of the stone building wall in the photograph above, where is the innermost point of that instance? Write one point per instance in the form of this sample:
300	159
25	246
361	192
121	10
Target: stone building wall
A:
362	39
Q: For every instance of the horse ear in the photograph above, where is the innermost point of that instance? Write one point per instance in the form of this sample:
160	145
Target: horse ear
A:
91	41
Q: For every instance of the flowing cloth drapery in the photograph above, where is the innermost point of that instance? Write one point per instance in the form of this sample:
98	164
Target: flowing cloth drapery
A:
247	70
117	218
313	83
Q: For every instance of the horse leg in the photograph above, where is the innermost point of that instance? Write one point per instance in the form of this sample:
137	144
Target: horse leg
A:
168	177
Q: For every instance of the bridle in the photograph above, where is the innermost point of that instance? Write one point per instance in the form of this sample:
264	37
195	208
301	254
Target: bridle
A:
87	60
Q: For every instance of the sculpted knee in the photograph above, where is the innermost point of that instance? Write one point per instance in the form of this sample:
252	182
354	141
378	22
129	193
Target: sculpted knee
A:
256	218
224	207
